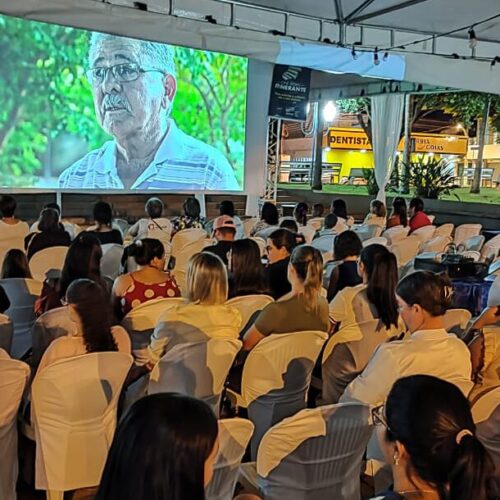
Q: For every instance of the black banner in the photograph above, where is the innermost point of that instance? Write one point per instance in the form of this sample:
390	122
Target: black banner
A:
290	92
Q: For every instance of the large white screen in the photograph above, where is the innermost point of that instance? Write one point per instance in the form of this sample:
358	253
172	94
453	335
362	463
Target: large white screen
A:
82	110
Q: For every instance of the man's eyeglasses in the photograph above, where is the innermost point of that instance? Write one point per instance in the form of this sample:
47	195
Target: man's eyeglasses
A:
122	73
378	416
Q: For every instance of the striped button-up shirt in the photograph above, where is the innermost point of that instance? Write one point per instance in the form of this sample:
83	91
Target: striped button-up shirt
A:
181	163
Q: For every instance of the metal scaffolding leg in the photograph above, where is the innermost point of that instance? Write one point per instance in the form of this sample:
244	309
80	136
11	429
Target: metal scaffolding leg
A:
273	158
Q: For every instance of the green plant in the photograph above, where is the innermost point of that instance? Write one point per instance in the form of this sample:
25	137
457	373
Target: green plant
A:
431	177
371	182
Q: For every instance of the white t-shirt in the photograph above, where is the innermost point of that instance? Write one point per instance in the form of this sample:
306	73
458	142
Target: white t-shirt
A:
9	232
159	229
426	352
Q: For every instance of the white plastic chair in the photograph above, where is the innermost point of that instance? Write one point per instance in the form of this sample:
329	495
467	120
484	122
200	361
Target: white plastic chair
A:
474	243
195	368
432	218
308	232
466	231
261	242
491	249
396	233
276	377
234	435
248	305
368	231
456	321
49	260
437	244
74	403
182	256
22	294
48	327
378	240
14	375
141	321
405	250
6	333
185	236
111	260
315	454
424	233
316	223
444	230
324	243
248	224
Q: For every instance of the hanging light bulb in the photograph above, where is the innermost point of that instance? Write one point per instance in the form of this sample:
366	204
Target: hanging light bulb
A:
329	111
472	38
354	53
376	59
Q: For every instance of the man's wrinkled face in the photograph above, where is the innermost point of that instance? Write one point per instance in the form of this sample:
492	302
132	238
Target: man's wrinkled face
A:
126	108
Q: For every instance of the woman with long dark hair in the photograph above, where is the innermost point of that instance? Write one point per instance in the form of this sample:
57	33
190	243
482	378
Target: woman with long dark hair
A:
374	298
246	272
89	309
399	214
279	247
191	218
303	309
423	298
269	217
428	436
164	449
15	265
103	229
300	215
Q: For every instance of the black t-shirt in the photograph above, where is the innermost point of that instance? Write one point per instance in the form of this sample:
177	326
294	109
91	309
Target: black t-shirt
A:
4	300
35	242
278	278
221	248
105	237
346	274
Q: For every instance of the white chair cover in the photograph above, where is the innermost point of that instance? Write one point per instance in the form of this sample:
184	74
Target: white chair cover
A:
431	218
316	223
22	294
437	244
471	254
276	377
396	233
324	243
456	321
6	333
405	250
248	224
13	377
195	368
111	260
444	230
491	249
248	305
182	256
141	321
185	236
316	454
466	231
367	231
474	243
234	435
74	404
48	327
49	260
378	240
261	242
308	232
424	233
347	353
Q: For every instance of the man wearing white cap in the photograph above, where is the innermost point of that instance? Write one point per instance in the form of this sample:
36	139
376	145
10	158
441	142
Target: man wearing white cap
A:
224	232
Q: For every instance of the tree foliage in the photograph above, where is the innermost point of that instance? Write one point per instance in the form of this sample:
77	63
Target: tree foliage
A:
45	98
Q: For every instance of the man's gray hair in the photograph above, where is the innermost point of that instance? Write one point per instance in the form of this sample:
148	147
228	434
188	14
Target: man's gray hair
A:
157	55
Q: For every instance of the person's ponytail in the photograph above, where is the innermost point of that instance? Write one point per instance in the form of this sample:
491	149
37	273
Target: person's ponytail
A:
472	472
308	265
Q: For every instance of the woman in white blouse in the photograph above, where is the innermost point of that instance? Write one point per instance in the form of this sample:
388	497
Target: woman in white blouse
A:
204	314
423	298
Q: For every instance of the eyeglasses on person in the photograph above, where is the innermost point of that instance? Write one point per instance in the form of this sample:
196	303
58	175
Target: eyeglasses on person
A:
122	73
378	416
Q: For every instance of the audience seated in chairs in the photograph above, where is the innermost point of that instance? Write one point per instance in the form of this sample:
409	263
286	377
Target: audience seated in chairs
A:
68	226
149	282
155	226
339	208
279	247
191	219
51	233
11	228
300	215
428	436
103	229
418	218
304	309
89	308
374	298
377	215
399	215
226	207
164	448
423	298
83	261
292	226
246	272
269	218
329	225
204	313
224	232
346	250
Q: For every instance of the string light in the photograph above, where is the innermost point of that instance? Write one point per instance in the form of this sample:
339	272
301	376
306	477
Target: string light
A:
472	38
376	59
354	53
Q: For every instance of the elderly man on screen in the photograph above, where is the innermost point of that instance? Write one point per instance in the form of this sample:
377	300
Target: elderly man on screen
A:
134	87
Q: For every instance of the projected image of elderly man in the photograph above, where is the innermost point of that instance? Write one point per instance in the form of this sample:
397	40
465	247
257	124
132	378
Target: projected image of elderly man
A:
134	87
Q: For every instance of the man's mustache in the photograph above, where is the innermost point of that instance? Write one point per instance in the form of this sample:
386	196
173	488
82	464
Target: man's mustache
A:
114	101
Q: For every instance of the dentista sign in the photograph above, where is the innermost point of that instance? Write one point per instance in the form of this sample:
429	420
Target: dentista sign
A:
356	139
